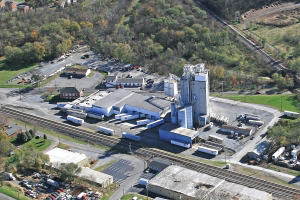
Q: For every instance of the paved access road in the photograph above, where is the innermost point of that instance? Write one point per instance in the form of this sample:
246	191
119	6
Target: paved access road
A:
5	197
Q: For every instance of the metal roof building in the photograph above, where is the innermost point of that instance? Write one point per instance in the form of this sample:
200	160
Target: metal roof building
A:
177	183
94	176
123	100
58	155
170	132
259	150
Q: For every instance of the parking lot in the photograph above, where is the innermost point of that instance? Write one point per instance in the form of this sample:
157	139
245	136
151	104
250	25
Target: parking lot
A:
120	170
85	82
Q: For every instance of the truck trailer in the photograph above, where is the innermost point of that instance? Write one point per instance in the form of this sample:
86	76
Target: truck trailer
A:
105	130
155	123
182	144
144	122
291	114
75	120
208	150
131	136
255	122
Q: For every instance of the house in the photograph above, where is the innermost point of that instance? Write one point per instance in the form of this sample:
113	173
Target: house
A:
70	93
12	129
77	72
130	82
10	6
23	8
2	3
111	81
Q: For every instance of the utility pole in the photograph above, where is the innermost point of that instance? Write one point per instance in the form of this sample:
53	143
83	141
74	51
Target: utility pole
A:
222	87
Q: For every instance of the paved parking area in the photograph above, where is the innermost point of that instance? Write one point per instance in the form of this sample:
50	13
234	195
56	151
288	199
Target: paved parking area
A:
86	82
120	170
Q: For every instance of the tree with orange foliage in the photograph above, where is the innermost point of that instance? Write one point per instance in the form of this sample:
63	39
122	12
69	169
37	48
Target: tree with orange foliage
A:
35	35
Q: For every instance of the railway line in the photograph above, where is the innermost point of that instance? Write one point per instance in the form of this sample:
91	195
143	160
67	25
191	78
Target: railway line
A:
277	190
275	64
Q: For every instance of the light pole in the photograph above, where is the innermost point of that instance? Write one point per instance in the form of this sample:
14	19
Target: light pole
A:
222	86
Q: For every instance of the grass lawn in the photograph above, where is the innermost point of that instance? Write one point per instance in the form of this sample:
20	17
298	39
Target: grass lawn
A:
63	146
263	175
101	168
91	74
288	100
38	144
130	196
12	192
111	190
274	35
8	71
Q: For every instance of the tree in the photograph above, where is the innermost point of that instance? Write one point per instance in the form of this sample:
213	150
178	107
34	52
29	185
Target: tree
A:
45	137
32	133
29	137
68	171
13	54
39	50
24	137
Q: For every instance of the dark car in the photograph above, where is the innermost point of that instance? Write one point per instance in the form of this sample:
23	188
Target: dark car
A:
257	92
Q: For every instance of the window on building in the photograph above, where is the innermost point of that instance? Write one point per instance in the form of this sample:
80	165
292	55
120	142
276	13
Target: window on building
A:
66	94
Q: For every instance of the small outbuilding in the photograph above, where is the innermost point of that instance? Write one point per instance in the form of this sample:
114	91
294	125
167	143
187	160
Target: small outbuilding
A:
259	150
70	93
77	72
170	132
12	129
93	176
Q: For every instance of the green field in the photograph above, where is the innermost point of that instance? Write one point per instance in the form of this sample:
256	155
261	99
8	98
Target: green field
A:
288	100
12	192
9	71
273	35
130	196
38	144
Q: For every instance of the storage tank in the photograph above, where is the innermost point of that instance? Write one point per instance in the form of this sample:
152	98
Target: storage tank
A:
155	123
75	120
131	136
255	122
108	131
174	115
278	153
143	122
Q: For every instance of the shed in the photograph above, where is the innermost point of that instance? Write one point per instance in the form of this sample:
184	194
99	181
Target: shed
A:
259	150
170	132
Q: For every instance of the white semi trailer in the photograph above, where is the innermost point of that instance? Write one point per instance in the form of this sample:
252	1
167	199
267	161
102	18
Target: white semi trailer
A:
105	130
208	150
75	120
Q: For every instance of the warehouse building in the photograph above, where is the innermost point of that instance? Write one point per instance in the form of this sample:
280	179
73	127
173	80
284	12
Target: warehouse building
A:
58	156
123	100
169	132
179	183
77	72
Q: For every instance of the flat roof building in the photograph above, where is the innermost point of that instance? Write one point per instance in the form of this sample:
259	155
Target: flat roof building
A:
170	132
58	155
177	183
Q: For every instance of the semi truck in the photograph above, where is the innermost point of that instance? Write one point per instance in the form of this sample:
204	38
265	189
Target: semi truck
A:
291	114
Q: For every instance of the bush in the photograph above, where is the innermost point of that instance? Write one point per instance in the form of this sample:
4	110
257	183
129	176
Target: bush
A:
28	136
45	136
32	133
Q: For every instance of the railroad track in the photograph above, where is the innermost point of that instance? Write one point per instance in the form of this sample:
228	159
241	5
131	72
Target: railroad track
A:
277	190
274	63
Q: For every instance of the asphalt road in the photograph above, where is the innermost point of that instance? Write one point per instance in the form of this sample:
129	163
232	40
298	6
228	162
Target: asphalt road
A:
5	197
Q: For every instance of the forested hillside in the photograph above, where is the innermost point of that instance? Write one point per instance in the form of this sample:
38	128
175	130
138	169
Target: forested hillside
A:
230	8
162	35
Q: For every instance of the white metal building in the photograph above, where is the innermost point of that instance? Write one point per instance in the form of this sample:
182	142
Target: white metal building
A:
94	176
123	100
179	183
171	85
58	156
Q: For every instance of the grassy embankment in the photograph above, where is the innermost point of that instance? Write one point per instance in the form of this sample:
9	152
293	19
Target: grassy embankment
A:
8	71
288	100
130	196
12	192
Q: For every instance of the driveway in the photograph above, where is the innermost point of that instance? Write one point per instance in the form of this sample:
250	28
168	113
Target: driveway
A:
5	197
